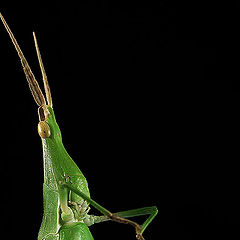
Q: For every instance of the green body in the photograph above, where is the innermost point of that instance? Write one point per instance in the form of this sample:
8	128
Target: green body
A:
65	189
58	166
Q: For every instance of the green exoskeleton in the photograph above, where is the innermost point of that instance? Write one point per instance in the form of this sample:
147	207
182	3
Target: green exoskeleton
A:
65	189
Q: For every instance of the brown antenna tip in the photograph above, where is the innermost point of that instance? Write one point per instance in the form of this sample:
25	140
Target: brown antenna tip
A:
44	76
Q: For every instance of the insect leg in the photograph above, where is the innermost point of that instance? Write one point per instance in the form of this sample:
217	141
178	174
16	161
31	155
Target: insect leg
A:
152	211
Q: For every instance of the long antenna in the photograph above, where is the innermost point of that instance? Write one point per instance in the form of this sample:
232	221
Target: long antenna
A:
32	82
44	76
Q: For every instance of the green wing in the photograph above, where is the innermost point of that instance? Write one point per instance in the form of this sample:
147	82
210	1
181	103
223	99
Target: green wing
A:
50	223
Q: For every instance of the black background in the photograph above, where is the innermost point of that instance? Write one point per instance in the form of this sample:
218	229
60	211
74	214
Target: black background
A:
135	94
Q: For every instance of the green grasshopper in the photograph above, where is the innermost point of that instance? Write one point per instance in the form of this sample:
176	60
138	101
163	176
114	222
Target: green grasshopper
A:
65	189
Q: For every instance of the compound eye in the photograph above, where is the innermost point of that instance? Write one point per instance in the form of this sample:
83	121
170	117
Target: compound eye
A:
43	129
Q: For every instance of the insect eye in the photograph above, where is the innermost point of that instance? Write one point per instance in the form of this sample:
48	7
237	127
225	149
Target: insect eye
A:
43	129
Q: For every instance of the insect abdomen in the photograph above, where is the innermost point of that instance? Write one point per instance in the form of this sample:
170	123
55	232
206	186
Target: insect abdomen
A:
75	231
